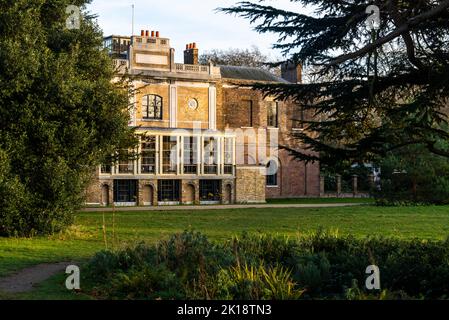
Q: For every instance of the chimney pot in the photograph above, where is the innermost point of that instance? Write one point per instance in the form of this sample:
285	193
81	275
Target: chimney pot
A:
291	72
147	33
142	33
152	34
157	34
191	54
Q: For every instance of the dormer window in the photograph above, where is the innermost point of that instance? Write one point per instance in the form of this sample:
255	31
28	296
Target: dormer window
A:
152	107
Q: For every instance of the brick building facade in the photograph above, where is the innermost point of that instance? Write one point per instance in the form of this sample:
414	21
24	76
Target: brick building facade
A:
206	137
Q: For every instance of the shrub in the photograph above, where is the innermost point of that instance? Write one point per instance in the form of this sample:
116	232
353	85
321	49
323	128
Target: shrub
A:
147	282
412	175
312	272
320	265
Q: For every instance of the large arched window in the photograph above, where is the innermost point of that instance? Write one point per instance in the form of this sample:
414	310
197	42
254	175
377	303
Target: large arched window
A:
272	173
152	107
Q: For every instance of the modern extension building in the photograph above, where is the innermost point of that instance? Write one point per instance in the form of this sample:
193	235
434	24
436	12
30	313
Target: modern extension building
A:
205	135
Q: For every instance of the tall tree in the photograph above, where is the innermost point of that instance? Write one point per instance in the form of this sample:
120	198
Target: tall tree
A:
239	57
60	113
382	88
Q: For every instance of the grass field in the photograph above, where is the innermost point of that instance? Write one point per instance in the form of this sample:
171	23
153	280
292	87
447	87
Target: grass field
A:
86	237
320	200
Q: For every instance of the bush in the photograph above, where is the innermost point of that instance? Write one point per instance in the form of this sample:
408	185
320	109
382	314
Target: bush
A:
146	282
414	176
317	266
14	212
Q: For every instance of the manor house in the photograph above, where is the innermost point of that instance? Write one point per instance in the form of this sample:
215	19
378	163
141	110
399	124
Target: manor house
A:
205	135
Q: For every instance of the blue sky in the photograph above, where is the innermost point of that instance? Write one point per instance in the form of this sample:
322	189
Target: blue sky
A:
186	21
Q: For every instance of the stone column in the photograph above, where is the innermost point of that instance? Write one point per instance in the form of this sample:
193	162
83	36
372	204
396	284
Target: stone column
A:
355	185
322	181
338	185
111	193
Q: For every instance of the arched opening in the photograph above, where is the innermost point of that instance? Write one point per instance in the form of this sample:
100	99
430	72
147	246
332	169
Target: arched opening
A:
148	195
228	194
273	171
105	195
152	107
189	194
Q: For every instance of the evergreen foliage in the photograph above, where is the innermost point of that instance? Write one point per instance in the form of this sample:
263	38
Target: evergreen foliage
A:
60	114
380	89
412	175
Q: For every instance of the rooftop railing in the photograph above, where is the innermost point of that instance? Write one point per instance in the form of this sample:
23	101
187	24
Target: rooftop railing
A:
192	68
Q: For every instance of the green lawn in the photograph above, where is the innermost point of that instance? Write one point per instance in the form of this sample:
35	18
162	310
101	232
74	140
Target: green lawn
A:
86	237
320	200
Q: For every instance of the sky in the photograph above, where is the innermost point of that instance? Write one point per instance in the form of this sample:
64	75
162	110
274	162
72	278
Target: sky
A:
186	21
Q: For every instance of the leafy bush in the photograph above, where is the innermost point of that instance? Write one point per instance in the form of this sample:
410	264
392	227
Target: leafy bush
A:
319	265
146	283
313	271
412	175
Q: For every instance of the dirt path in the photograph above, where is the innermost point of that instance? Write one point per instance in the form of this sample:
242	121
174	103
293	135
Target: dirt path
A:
26	279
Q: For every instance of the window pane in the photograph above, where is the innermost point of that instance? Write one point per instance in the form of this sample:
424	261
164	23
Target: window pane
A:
158	107
148	156
169	190
210	190
169	155
272	173
210	155
126	165
190	155
152	107
228	156
125	190
106	169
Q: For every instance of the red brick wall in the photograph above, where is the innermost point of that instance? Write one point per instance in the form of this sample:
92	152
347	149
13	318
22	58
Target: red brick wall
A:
293	180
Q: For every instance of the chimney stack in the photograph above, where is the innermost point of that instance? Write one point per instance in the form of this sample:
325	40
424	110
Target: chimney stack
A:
291	72
191	55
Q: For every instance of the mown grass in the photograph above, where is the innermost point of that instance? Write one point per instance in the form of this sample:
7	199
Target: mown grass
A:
320	200
85	238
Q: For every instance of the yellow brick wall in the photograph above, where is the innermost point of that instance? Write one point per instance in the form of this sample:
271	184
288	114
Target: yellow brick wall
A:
187	115
250	184
160	90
